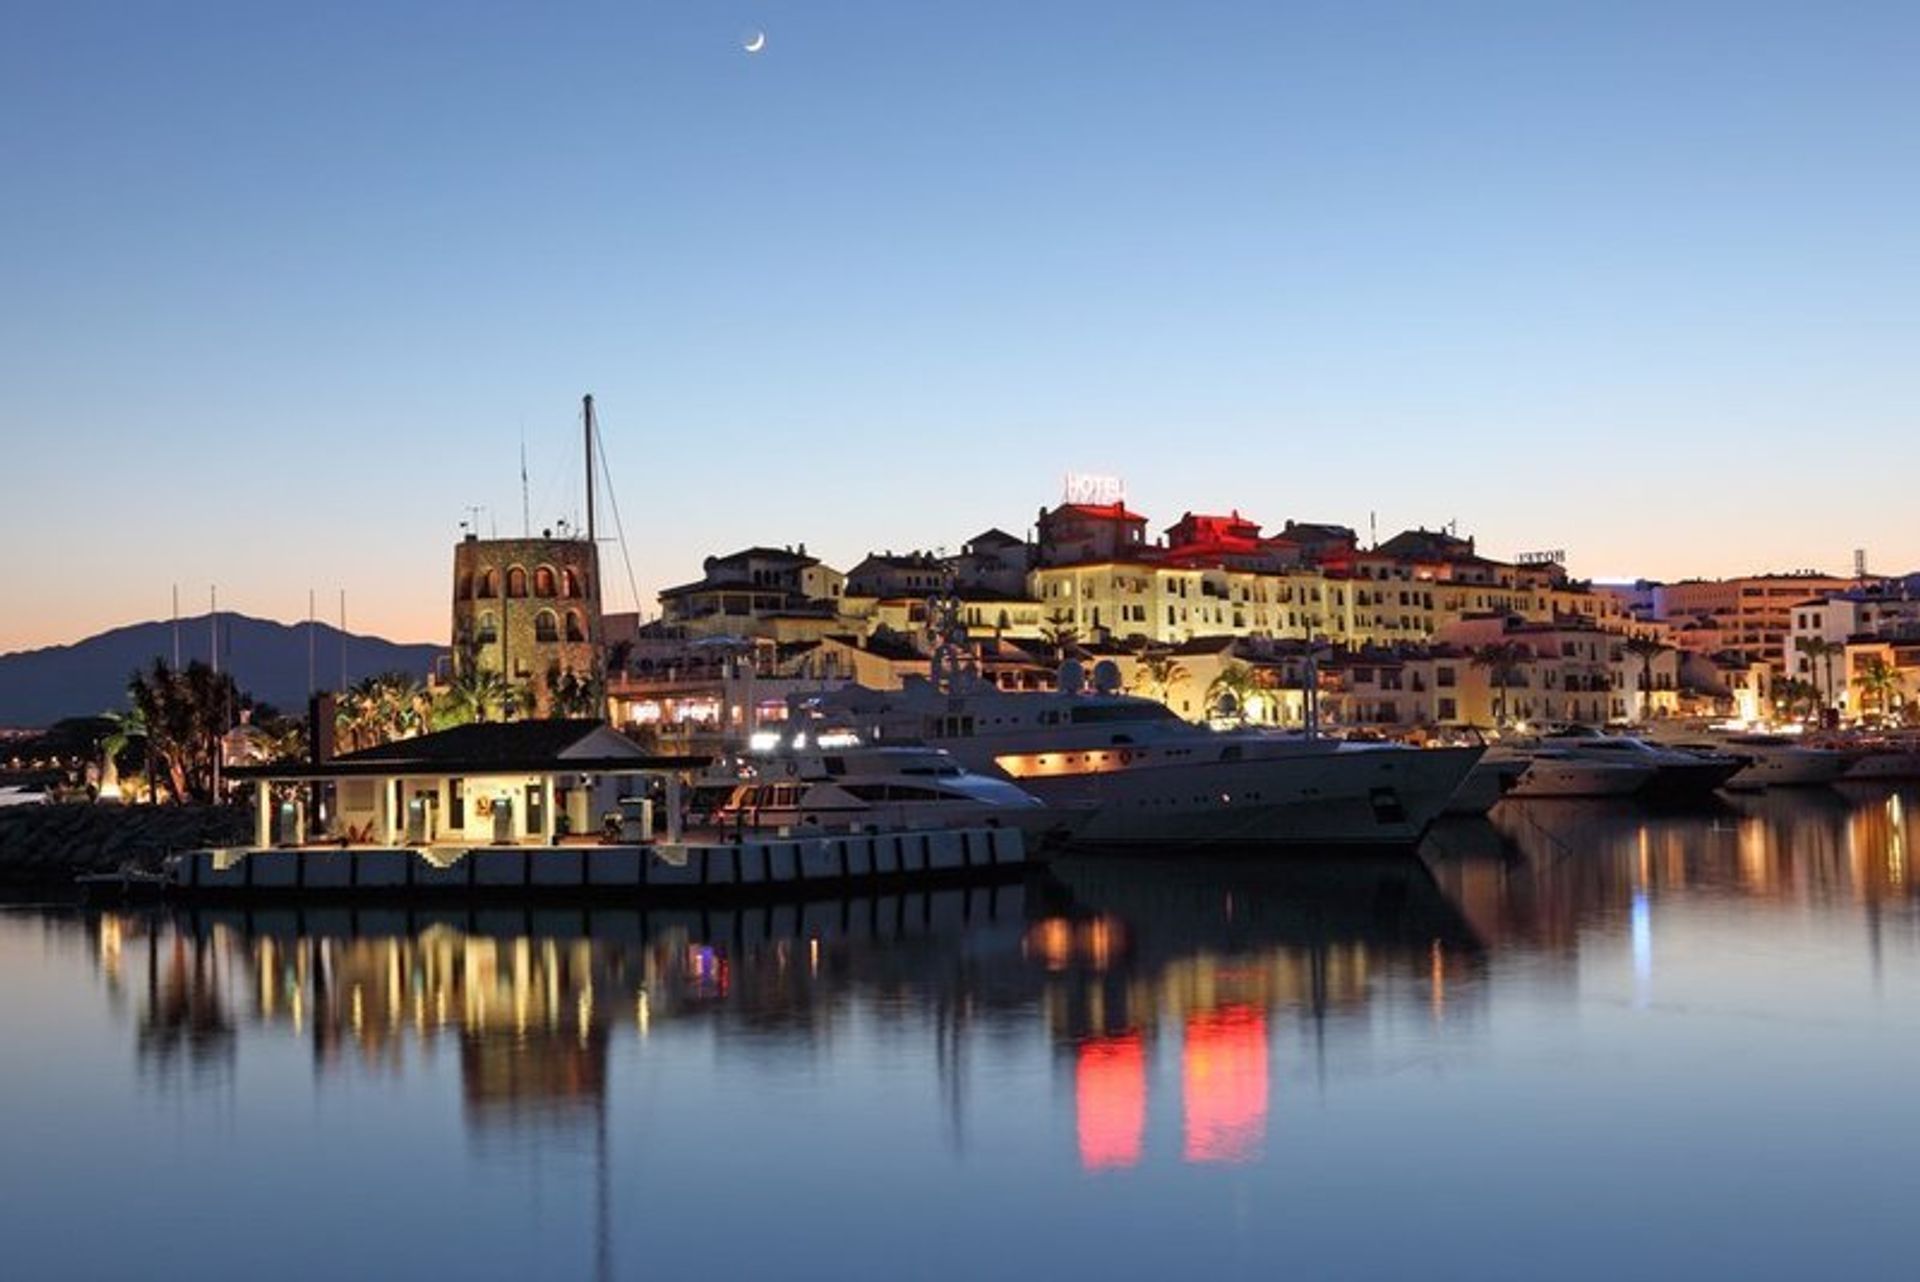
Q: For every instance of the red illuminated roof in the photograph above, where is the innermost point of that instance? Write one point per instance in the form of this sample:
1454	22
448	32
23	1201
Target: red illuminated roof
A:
1101	511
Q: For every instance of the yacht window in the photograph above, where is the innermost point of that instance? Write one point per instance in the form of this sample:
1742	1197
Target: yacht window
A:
1143	711
835	765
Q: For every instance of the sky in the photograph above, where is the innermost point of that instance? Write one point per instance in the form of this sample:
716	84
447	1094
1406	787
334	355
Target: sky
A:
286	287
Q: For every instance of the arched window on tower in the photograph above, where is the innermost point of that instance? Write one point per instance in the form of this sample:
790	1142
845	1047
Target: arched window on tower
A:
543	581
487	630
464	590
576	627
546	626
489	587
569	585
516	582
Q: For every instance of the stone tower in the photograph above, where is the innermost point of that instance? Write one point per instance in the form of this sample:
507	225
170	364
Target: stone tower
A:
528	609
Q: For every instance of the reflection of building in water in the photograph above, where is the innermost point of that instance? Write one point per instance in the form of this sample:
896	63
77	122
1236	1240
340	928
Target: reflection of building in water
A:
1223	1081
184	1020
1110	1098
1542	875
1212	955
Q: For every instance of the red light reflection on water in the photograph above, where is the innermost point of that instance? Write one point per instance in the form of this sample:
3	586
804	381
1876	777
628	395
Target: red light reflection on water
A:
1224	1084
1110	1093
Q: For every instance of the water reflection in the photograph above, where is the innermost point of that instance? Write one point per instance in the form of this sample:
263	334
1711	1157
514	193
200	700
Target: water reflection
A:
1111	1026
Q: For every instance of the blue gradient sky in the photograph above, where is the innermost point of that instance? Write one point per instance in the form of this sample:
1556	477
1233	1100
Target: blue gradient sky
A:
284	285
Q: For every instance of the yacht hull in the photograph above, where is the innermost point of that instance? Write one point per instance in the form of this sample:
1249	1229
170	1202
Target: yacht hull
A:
1580	779
1892	767
1791	769
1350	800
1484	786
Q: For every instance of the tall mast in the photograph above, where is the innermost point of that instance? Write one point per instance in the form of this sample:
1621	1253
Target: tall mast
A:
587	402
213	623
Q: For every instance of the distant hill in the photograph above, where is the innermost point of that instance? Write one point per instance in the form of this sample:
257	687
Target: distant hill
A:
267	659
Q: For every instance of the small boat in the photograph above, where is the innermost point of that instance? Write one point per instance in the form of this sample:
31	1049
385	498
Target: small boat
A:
835	782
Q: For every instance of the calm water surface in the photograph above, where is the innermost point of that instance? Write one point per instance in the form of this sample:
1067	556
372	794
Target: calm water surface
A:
1575	1042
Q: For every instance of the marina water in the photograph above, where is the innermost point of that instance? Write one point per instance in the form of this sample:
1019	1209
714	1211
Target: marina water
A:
1577	1041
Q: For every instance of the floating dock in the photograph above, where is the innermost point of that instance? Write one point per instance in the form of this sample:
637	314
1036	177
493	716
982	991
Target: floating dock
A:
786	864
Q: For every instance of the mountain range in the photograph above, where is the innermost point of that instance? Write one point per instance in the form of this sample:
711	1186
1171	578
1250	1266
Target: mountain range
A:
269	660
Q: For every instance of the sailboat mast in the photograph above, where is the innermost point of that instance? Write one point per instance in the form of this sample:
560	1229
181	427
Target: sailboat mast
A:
587	403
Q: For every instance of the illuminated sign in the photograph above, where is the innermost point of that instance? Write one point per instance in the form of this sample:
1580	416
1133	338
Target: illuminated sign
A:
1095	491
1555	556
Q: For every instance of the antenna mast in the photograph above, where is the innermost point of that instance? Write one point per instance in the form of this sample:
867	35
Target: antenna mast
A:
587	404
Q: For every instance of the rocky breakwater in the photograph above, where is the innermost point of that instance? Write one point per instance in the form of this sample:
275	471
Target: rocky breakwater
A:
47	846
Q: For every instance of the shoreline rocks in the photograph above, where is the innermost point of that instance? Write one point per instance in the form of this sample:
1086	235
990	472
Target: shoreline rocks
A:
49	845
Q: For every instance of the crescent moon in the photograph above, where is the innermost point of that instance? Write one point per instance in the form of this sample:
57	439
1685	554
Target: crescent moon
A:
756	42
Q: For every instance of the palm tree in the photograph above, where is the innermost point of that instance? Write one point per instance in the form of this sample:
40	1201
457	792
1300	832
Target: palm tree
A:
1060	634
1791	693
1646	649
124	729
1816	649
476	694
570	695
1229	692
1502	660
1880	684
1159	672
186	714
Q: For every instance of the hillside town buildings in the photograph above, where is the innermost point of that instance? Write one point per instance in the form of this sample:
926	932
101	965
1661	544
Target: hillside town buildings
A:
1217	614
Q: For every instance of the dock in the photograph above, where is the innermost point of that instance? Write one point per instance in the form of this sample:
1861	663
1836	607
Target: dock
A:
788	865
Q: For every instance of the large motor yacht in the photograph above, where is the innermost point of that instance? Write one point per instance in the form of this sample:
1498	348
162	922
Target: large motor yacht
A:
1554	772
1678	774
1777	761
1127	773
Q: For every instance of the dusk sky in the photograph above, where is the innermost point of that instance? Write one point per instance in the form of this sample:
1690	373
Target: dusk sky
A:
285	285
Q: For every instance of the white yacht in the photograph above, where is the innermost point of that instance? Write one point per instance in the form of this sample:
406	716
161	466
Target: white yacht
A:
1127	773
1678	774
1554	772
812	782
1777	761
